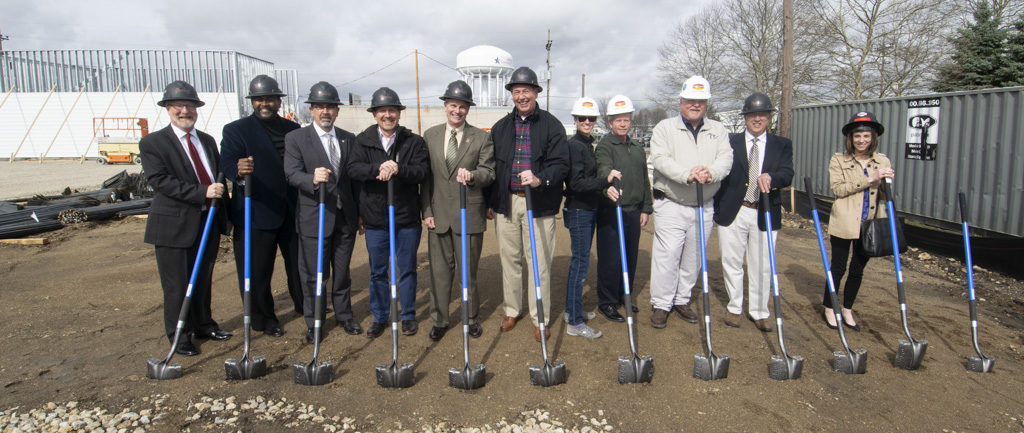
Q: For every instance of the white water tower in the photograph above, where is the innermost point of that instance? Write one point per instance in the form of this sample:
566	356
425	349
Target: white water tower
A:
486	68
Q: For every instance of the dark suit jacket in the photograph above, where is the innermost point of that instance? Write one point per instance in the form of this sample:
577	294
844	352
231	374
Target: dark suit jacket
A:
440	193
272	198
778	162
303	153
175	216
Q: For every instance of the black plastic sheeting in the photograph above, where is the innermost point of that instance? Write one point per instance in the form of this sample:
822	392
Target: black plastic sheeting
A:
11	231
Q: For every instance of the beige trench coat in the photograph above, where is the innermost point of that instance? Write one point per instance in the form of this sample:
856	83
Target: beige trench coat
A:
846	176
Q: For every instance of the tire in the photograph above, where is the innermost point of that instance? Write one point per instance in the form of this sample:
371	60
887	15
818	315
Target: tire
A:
137	160
101	160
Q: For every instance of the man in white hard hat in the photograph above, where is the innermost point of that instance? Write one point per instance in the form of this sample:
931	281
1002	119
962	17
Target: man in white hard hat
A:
623	158
582	194
685	150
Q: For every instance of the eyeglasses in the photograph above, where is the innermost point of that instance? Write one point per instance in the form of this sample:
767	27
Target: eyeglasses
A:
590	119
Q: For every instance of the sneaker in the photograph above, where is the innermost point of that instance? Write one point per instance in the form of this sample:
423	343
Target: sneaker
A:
582	330
587	316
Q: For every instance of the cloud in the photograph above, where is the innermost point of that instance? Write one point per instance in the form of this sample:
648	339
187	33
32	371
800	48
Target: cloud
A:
614	43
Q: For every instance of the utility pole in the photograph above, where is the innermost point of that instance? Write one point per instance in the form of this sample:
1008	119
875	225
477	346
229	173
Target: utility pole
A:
3	38
548	87
785	114
583	85
419	125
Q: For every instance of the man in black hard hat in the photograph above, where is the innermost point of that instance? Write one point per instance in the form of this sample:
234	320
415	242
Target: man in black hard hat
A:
258	141
530	152
761	162
460	154
314	158
387	152
181	164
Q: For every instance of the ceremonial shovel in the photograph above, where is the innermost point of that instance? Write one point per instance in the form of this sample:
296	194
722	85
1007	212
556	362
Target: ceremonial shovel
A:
246	368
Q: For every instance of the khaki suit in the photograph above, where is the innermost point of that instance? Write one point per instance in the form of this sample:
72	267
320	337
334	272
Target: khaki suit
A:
440	200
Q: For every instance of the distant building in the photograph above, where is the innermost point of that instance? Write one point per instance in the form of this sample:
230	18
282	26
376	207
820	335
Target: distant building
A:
487	69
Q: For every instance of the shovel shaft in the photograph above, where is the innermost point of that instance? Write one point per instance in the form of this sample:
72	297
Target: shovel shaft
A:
247	265
536	276
776	303
393	267
318	300
706	304
625	272
972	302
463	268
901	293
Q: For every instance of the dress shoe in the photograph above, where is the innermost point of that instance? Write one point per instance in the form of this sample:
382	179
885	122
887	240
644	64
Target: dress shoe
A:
186	349
351	327
611	313
273	331
853	327
508	323
685	313
475	330
214	334
824	316
763	325
732	319
437	332
309	335
409	327
536	333
636	309
375	330
659	318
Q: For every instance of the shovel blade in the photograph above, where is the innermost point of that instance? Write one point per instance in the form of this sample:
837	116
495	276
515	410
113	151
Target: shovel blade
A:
978	364
467	377
636	369
311	374
783	368
910	354
856	364
710	367
245	368
548	374
394	375
159	369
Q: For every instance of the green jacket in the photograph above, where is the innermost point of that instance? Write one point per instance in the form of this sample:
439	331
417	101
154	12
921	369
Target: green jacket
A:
629	158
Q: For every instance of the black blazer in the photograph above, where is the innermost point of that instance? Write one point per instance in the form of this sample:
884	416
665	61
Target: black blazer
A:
175	216
303	153
409	151
272	198
778	162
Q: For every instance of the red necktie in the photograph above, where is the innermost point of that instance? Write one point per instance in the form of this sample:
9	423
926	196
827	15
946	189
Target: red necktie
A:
204	178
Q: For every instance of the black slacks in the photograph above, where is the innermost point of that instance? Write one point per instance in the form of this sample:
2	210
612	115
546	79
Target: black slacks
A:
263	253
609	266
840	252
337	256
175	268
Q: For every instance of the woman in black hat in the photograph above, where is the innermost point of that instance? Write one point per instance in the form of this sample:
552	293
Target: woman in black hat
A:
855	175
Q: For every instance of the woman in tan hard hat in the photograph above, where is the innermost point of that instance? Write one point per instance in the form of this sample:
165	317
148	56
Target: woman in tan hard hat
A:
855	175
622	158
582	194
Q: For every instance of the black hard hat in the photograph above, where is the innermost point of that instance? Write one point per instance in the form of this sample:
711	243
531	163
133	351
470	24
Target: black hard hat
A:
458	89
385	97
180	91
323	93
524	75
264	85
757	102
863	121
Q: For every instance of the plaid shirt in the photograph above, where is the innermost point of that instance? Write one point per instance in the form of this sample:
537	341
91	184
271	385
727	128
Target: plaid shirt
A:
521	160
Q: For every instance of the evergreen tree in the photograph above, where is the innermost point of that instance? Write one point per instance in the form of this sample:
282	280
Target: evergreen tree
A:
1012	71
977	55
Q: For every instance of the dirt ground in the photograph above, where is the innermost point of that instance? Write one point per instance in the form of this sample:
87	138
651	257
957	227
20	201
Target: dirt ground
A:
83	314
26	178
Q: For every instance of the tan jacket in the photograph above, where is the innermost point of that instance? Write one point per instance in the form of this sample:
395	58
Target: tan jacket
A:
674	153
846	176
440	193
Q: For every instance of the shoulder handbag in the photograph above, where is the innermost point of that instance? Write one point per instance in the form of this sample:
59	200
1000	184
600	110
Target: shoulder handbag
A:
876	237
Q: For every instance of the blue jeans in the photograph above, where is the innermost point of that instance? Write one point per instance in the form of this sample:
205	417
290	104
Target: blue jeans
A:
407	242
580	223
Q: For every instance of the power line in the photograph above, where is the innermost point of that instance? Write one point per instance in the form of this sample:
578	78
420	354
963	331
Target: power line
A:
438	62
378	70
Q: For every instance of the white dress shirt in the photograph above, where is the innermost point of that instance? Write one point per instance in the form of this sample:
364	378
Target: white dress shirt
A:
181	134
762	141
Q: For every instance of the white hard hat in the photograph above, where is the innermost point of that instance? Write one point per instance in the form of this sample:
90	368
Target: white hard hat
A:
585	107
619	104
695	87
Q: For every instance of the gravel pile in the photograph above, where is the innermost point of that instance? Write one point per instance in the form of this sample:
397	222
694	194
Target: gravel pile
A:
232	415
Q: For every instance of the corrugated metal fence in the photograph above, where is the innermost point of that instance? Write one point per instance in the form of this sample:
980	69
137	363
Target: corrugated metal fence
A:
979	150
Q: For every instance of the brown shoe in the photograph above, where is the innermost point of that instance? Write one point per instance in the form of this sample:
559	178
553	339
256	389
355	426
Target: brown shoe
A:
536	333
659	318
763	324
508	323
685	313
732	319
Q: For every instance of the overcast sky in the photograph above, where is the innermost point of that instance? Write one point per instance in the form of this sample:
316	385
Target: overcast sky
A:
615	43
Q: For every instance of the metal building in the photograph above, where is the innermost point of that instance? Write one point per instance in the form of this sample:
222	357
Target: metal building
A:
939	144
50	98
